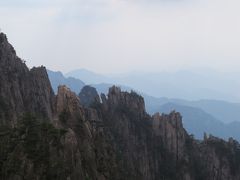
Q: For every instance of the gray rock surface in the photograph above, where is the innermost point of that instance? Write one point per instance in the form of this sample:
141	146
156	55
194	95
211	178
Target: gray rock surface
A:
22	90
114	139
88	96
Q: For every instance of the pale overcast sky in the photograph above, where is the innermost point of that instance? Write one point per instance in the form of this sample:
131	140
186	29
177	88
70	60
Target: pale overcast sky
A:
124	35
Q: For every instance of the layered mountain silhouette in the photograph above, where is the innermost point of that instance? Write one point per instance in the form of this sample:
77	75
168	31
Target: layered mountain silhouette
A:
47	136
196	121
199	117
57	78
190	85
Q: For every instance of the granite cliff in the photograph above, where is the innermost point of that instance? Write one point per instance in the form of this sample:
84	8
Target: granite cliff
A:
87	137
22	90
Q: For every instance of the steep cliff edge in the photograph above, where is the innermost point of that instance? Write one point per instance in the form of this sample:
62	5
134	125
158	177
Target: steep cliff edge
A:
43	136
22	90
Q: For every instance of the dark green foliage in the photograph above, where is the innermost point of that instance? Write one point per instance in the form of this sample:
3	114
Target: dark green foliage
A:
234	158
130	113
220	146
196	165
35	142
4	110
134	94
64	115
95	105
167	168
87	178
3	105
231	151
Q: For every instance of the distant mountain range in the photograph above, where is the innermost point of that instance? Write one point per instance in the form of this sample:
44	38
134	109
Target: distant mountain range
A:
197	121
57	78
65	136
216	117
200	84
222	110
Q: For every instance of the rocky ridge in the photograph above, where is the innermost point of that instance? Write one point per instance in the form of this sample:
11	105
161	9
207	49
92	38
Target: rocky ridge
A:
89	95
22	90
58	137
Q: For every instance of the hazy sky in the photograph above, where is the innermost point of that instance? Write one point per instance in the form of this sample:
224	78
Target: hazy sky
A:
124	35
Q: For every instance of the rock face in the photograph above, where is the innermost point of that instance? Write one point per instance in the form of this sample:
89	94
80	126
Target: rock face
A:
170	129
88	96
22	90
80	137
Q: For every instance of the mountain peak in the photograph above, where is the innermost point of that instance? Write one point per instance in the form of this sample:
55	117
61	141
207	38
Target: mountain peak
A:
88	96
22	90
3	37
5	45
133	101
66	99
112	140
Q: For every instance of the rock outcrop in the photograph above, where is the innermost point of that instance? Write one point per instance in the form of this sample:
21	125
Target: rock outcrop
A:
67	137
22	90
89	96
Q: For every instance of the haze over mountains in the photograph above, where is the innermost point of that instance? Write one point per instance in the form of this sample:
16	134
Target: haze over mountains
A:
215	117
66	136
190	85
57	78
220	97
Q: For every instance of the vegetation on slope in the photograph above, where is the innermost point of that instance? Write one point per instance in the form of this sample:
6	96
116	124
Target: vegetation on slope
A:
33	145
